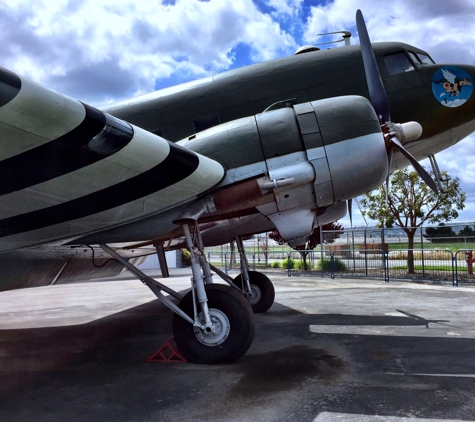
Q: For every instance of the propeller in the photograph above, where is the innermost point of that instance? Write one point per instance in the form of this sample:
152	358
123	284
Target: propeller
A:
394	133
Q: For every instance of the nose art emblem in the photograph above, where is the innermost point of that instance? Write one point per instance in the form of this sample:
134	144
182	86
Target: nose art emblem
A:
452	86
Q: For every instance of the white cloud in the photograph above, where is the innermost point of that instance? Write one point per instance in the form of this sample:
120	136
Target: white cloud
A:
101	50
445	30
137	42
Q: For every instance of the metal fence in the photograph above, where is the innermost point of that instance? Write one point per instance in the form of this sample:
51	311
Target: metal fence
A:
427	264
440	265
455	236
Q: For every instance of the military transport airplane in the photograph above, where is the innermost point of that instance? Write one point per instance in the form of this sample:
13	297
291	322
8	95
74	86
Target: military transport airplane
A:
282	144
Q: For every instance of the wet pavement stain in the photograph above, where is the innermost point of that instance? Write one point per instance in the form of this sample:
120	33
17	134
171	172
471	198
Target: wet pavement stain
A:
381	354
286	369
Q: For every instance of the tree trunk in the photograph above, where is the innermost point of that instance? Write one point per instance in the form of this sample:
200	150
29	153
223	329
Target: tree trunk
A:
304	254
410	252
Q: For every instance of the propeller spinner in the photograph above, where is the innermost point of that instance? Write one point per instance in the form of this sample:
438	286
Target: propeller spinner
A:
394	134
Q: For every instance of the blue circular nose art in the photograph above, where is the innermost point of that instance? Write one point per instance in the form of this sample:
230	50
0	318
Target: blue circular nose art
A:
452	86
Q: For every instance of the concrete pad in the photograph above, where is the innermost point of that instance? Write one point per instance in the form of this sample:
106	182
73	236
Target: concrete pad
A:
327	350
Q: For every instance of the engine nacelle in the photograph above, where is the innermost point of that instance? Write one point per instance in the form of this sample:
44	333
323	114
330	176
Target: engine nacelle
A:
345	145
310	156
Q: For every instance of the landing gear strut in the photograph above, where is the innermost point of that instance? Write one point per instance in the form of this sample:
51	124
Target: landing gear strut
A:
256	286
224	322
212	323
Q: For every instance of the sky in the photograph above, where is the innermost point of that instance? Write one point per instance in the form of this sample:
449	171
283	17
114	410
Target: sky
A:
100	51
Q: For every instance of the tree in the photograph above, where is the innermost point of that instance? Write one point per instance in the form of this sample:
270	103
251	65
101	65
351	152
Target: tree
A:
468	233
441	234
411	203
332	232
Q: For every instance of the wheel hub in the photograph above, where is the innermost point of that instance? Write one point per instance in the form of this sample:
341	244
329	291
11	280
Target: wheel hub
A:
220	332
256	294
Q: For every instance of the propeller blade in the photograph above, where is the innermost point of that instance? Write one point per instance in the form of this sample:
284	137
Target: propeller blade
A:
420	170
377	93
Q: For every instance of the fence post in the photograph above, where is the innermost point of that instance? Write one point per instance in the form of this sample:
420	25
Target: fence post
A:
453	259
332	265
423	266
226	262
365	254
386	265
456	269
322	258
289	266
254	261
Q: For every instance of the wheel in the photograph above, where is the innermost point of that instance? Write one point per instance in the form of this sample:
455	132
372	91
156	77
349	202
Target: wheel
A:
233	319
262	291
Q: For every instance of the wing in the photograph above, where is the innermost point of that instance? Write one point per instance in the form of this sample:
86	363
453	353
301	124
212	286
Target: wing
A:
67	169
449	76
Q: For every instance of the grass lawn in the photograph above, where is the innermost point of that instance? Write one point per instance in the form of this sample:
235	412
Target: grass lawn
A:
429	268
453	246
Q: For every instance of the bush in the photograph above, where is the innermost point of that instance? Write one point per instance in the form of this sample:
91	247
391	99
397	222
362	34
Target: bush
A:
287	261
276	264
185	258
338	265
300	265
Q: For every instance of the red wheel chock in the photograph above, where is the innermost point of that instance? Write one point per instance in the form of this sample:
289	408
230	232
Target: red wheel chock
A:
167	353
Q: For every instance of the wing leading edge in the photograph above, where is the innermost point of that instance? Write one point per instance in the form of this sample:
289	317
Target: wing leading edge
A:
68	169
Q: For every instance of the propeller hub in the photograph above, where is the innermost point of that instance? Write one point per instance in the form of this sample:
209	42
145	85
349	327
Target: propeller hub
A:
405	132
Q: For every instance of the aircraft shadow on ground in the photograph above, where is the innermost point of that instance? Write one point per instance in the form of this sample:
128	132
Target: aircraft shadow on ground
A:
113	350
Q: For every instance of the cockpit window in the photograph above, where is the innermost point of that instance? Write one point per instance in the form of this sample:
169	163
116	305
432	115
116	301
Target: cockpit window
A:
420	58
413	57
425	59
397	63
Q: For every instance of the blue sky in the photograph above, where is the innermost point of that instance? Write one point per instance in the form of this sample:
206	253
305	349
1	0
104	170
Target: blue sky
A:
100	51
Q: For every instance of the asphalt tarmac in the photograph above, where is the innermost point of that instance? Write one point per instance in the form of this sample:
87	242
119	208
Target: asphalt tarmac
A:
327	350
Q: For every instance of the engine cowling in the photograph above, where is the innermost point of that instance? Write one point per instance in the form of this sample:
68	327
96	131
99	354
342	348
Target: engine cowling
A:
344	143
310	157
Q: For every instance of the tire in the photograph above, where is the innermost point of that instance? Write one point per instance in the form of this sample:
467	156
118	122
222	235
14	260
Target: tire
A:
263	293
234	319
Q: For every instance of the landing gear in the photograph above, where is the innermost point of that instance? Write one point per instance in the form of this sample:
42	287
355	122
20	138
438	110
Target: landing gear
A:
223	327
257	286
212	323
262	293
232	332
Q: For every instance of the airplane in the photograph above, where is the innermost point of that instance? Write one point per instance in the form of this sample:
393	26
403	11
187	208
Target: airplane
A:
283	144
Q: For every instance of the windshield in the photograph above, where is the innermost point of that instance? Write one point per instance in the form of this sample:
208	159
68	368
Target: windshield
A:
425	59
397	63
420	58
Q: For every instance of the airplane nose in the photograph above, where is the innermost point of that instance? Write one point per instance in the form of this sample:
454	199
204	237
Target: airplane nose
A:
453	118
